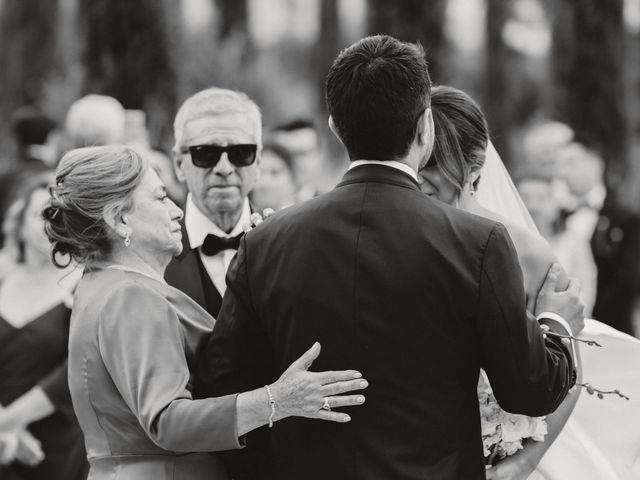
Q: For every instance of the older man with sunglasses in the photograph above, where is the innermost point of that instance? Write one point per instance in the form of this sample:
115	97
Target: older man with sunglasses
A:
218	138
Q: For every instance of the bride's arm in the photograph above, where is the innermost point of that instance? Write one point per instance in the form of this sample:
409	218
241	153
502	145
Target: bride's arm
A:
535	263
520	465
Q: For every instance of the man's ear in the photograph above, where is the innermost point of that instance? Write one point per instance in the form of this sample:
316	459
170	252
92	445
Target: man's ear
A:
425	130
178	159
425	134
334	129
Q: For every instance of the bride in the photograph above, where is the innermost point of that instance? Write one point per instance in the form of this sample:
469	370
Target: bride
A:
600	439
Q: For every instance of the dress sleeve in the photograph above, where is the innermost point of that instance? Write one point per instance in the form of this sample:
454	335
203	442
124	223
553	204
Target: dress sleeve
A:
530	374
142	346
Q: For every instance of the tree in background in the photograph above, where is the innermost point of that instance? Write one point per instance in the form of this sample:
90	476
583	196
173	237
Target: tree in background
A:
588	70
327	47
233	18
232	41
515	71
497	88
128	56
588	60
413	21
27	56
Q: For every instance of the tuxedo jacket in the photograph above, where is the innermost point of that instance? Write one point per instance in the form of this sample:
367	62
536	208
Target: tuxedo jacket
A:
416	295
187	273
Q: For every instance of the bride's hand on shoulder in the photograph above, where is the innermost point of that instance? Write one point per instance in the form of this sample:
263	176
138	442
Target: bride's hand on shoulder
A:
565	303
301	393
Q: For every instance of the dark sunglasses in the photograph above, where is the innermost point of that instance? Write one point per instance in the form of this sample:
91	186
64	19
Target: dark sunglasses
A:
208	156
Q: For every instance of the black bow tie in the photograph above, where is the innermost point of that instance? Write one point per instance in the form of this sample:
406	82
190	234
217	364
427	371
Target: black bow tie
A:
213	244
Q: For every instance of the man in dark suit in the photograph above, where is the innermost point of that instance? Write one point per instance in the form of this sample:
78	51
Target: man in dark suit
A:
218	137
417	295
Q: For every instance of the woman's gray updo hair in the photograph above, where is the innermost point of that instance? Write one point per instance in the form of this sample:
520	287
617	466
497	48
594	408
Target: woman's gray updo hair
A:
89	182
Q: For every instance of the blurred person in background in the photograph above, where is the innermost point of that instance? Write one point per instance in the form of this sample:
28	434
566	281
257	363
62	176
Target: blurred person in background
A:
9	251
34	327
616	250
95	120
542	143
572	175
38	139
583	172
301	138
137	137
218	142
136	134
38	148
543	197
277	185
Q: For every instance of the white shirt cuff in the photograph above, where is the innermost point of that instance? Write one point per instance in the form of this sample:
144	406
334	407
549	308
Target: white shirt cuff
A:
557	318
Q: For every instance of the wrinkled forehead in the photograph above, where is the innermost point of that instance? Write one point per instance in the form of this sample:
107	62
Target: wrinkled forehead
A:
223	129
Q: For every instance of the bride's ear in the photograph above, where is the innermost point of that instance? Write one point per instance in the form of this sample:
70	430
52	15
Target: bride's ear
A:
474	178
334	129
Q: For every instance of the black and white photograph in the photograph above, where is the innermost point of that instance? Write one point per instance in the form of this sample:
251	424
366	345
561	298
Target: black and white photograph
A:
319	240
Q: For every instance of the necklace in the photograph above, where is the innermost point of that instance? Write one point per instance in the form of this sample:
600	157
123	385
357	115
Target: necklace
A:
124	268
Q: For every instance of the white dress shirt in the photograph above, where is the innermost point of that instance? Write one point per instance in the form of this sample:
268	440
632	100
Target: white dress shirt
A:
403	167
198	226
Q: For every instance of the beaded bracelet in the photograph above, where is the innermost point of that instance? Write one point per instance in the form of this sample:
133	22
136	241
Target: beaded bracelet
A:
272	404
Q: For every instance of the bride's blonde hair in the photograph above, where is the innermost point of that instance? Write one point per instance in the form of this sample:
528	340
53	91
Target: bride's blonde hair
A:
461	134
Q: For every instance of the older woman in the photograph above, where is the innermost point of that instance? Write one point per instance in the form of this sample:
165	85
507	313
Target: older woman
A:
34	327
134	338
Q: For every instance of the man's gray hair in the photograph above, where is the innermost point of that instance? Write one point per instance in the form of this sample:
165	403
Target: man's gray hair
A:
215	101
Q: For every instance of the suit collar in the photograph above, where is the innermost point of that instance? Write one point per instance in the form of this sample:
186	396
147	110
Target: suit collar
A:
379	174
387	163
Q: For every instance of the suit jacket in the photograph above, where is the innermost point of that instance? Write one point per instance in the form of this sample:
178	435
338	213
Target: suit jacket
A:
186	272
416	295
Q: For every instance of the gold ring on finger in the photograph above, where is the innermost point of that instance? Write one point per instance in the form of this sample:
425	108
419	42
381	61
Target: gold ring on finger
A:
325	405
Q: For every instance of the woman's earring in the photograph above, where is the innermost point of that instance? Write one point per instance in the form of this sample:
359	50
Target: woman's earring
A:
127	239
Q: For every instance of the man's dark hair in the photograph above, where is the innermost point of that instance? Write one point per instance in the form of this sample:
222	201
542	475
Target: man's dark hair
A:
376	90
